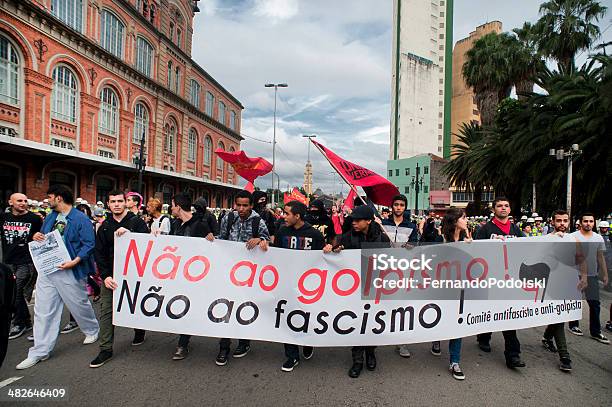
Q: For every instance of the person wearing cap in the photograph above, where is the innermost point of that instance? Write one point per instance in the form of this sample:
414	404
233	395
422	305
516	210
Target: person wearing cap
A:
364	230
538	229
133	200
99	216
604	228
100	204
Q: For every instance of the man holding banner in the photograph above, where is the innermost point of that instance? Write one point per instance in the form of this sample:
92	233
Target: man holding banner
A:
297	235
364	232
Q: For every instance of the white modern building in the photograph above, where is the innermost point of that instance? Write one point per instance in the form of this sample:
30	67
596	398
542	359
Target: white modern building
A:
421	78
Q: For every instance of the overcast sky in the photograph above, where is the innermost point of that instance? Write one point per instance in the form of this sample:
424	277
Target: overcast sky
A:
336	57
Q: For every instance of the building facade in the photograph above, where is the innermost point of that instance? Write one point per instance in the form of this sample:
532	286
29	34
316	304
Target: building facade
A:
463	105
421	78
82	82
426	171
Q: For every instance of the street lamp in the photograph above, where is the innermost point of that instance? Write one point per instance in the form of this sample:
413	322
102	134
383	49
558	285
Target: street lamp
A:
416	183
309	137
560	154
141	163
275	86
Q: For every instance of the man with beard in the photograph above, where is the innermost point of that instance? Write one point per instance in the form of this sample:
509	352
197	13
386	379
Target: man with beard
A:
500	227
365	233
318	218
560	223
260	200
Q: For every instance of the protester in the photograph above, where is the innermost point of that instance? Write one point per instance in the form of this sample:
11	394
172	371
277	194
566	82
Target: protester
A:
120	222
337	220
454	229
67	284
186	225
560	225
400	230
431	234
260	201
18	226
604	228
241	225
133	201
160	224
202	212
365	230
318	218
7	307
499	227
297	235
594	257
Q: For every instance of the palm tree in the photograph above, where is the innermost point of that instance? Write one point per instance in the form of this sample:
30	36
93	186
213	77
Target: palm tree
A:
567	27
529	60
491	70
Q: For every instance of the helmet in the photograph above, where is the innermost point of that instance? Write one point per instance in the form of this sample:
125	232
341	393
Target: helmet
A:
538	218
530	220
604	224
534	215
524	217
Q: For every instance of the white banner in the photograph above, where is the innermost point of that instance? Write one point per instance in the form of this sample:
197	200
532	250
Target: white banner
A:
221	289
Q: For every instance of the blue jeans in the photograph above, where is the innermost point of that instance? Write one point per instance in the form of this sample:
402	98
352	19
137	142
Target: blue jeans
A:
454	349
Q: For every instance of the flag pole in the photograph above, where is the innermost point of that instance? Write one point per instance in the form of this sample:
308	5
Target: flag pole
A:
351	186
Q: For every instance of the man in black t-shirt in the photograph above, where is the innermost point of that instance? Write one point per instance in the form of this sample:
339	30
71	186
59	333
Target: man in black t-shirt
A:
17	228
500	227
297	235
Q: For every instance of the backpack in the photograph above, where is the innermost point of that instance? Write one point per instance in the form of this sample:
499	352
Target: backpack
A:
254	225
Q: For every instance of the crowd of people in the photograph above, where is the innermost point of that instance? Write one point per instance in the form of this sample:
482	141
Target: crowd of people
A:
88	232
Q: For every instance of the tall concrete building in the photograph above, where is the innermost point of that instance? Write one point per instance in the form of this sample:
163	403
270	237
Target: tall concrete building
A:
421	78
464	109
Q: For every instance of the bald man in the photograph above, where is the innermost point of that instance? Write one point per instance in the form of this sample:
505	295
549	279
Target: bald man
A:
18	226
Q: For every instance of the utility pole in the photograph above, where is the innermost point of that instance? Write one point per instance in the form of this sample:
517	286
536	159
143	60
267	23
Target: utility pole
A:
141	164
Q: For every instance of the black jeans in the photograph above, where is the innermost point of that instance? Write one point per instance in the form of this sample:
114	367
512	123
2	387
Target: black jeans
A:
293	351
183	341
25	279
5	325
358	351
224	344
592	297
512	344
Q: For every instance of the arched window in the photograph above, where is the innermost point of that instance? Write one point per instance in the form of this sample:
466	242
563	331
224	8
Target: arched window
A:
144	56
104	185
192	142
111	33
230	169
9	72
232	120
169	74
141	122
221	116
177	80
207	150
62	178
170	137
69	11
220	161
210	103
108	122
64	96
195	93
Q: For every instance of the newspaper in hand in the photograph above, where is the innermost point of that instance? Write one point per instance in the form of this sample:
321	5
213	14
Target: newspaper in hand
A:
49	254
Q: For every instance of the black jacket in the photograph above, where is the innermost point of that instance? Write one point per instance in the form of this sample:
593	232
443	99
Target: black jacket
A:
209	219
321	221
375	237
304	238
490	230
105	240
194	227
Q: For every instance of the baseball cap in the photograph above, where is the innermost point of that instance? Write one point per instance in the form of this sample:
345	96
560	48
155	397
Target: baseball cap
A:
98	212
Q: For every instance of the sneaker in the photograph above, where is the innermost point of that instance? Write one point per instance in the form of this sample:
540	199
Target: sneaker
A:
307	351
89	339
70	326
31	338
456	371
576	331
289	365
103	357
514	361
609	326
16	331
221	359
404	351
181	353
601	339
435	348
28	362
139	338
565	365
549	345
241	350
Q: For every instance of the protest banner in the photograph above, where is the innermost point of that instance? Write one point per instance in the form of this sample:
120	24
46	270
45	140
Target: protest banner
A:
220	289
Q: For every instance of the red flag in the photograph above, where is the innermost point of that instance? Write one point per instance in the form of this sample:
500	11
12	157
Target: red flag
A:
249	187
248	168
286	198
349	202
380	190
298	196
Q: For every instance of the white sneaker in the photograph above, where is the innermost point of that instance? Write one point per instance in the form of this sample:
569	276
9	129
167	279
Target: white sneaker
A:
89	339
28	363
404	351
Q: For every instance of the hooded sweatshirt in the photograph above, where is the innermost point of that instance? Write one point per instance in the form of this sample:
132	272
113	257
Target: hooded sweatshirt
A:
304	238
265	214
319	220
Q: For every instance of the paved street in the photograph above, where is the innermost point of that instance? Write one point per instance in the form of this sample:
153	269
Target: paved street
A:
146	375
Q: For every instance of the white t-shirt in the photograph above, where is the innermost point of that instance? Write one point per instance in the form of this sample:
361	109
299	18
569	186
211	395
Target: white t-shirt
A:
595	244
162	224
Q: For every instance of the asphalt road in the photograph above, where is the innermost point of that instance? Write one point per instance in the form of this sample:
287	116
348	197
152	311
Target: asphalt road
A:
146	375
